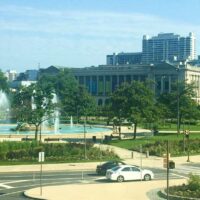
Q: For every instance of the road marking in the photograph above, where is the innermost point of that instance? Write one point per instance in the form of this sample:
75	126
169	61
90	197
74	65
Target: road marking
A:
5	184
178	175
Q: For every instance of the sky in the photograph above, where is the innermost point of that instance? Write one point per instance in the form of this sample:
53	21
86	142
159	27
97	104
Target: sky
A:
80	33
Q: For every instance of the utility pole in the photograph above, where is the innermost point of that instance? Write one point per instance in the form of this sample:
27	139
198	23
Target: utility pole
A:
178	103
85	154
167	169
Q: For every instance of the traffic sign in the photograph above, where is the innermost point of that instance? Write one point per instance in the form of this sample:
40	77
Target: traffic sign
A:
41	157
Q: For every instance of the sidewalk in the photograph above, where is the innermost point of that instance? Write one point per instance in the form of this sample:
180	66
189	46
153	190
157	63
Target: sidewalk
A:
109	191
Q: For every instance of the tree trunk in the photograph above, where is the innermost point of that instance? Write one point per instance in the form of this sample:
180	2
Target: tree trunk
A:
36	132
135	130
40	132
120	132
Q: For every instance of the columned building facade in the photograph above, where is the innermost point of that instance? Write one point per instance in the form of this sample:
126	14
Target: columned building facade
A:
101	81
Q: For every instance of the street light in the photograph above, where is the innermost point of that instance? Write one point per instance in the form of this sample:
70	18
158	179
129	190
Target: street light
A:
85	155
178	102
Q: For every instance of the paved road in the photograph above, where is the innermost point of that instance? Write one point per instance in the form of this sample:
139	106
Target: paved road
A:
12	185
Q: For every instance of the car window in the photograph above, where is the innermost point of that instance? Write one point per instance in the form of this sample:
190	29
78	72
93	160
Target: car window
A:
115	168
135	169
126	169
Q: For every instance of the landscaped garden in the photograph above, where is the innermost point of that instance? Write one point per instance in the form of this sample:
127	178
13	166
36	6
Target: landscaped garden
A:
27	153
191	189
156	145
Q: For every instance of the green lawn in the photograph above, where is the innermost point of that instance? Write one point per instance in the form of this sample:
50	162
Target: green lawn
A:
173	127
157	142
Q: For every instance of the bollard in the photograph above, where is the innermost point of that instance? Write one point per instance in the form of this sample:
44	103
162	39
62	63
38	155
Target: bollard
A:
147	154
132	154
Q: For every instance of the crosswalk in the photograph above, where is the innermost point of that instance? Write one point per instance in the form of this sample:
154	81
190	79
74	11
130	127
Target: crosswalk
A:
187	169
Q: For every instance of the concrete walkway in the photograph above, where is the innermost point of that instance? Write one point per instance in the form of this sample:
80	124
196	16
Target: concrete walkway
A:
109	191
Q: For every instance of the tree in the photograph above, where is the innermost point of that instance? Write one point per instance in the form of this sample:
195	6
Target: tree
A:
182	98
33	105
74	100
84	103
134	102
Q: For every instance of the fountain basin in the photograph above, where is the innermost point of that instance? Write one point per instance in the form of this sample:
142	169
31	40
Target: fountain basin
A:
63	129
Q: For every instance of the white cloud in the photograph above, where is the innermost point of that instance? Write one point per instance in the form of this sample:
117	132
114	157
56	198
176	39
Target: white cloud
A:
60	35
87	24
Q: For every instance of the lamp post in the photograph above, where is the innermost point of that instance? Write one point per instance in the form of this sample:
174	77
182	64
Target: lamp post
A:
178	102
85	154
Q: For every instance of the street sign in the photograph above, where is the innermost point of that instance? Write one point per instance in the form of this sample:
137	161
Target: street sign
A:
41	157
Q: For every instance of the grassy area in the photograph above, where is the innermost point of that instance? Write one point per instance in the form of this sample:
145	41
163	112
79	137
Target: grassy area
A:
173	127
156	145
129	144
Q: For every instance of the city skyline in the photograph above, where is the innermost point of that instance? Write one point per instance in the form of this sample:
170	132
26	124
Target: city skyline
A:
81	33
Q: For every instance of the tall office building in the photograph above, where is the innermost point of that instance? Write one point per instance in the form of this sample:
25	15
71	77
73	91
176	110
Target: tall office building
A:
168	47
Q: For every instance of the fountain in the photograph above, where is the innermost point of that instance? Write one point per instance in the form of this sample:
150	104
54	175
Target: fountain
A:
56	115
71	122
56	128
4	105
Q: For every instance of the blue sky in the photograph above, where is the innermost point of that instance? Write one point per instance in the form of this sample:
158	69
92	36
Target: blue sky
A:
79	33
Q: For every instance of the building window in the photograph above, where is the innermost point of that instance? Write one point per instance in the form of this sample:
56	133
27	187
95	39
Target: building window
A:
100	85
94	85
108	85
114	83
100	102
88	86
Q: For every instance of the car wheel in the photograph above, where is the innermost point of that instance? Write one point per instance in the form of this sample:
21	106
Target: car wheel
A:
147	177
120	179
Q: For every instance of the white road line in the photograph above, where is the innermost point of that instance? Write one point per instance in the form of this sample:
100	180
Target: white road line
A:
5	184
18	181
178	175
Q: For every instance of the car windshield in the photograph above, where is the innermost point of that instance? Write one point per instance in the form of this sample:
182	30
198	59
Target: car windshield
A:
115	168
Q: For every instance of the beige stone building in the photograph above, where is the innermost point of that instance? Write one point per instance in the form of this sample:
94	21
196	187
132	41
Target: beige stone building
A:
101	81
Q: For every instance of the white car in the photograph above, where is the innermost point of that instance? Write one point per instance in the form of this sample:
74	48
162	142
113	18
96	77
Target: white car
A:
128	172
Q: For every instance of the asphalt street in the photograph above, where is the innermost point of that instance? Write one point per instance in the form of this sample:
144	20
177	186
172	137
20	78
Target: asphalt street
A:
12	185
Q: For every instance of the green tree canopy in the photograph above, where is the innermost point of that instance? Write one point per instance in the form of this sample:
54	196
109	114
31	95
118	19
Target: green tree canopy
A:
134	102
182	97
33	105
74	99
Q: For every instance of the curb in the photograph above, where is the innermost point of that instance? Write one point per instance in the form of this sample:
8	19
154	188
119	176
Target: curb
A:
175	197
33	197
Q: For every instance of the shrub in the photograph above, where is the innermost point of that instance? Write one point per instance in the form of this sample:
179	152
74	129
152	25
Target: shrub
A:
194	182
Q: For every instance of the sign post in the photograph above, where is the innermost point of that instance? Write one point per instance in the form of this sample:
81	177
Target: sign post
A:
41	160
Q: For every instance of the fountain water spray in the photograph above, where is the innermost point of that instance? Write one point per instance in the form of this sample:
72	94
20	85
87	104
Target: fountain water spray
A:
56	115
4	105
71	122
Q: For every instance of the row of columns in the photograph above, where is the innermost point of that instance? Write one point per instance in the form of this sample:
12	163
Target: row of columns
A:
110	78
